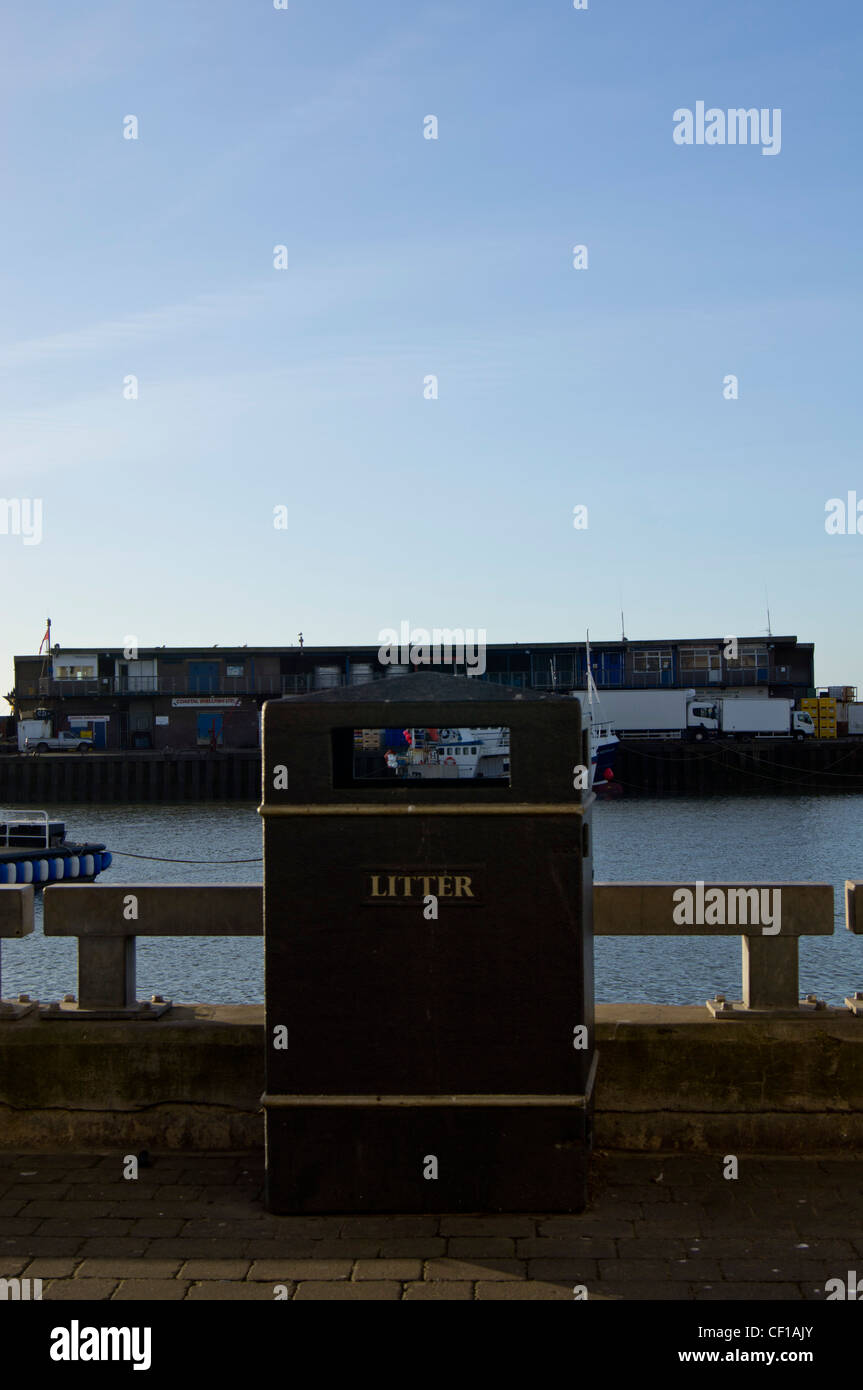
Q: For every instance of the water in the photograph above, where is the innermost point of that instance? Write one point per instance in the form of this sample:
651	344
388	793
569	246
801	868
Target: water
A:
212	970
725	838
796	839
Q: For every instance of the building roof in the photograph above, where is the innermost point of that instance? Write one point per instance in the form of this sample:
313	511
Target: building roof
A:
228	650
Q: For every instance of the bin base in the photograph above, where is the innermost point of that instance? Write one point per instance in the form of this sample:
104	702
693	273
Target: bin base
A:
427	1154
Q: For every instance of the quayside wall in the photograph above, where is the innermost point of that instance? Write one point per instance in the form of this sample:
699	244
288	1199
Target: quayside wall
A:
669	1079
642	768
759	767
46	778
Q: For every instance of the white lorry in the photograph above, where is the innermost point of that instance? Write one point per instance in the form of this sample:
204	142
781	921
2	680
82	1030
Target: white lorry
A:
748	718
677	714
66	742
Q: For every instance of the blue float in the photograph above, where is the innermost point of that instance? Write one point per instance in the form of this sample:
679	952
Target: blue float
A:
34	849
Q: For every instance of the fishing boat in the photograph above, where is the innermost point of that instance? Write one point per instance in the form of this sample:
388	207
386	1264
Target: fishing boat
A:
603	750
603	739
451	753
482	753
34	849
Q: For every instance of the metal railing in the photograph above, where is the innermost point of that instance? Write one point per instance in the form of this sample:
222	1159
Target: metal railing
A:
110	686
565	679
226	686
652	680
746	676
15	820
107	919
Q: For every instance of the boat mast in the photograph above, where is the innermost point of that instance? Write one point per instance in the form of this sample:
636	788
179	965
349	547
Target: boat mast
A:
591	684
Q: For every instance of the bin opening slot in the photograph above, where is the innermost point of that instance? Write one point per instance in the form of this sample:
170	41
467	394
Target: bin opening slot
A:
474	757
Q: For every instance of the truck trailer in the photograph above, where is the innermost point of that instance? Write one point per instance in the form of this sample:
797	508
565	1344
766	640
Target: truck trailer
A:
641	713
745	718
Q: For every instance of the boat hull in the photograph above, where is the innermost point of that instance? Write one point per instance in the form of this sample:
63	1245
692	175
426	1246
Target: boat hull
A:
57	864
602	761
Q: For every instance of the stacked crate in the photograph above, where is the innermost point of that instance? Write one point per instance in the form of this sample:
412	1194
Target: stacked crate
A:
826	717
367	740
824	714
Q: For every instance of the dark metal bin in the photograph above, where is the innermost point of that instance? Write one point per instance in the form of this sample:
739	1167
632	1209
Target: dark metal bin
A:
419	1063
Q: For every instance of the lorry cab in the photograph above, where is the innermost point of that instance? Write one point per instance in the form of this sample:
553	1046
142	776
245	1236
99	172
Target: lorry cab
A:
802	724
702	719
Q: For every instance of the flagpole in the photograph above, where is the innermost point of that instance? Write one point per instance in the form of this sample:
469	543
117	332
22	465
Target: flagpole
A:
46	639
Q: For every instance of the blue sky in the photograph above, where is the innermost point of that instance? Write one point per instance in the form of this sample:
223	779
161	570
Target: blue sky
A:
406	257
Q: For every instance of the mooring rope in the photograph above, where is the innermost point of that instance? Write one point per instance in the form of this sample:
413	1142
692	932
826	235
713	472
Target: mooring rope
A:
160	859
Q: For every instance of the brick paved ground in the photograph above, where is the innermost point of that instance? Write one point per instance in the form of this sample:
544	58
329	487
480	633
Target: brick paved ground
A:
194	1227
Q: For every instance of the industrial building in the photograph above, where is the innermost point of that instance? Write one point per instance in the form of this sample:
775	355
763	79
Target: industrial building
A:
203	697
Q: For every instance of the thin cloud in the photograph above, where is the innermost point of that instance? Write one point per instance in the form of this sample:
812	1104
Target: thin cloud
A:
148	324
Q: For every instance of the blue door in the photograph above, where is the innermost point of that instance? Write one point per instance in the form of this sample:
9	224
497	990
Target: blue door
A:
204	678
607	667
210	729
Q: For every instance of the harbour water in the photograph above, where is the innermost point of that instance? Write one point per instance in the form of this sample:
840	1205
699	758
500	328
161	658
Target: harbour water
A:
756	838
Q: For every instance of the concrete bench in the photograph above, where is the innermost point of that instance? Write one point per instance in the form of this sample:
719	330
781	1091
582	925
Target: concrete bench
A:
16	919
769	939
854	923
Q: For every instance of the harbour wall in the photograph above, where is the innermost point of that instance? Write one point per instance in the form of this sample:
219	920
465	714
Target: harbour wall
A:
642	768
764	767
129	777
669	1079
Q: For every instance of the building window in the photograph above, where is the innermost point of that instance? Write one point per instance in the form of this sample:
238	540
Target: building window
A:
651	661
75	673
749	658
699	659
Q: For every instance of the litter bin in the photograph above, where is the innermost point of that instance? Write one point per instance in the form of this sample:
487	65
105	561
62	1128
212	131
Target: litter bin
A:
428	939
